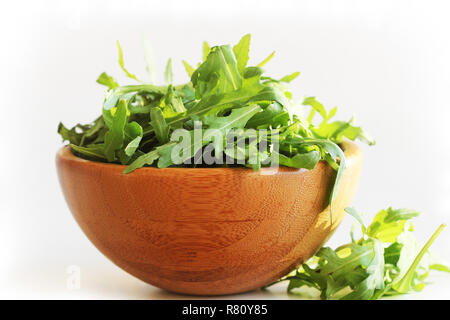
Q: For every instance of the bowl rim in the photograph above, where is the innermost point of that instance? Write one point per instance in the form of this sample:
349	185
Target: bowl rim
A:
350	149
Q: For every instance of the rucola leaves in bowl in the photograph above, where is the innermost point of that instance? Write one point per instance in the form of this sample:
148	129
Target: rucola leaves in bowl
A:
224	94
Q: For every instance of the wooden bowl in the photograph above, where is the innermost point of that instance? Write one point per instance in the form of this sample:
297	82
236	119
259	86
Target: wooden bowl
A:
206	231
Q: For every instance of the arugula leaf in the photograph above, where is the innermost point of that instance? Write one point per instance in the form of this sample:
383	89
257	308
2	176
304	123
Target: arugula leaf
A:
93	131
316	105
333	274
439	267
241	51
94	151
389	224
133	136
272	116
300	160
115	136
69	135
206	50
168	74
357	216
392	253
383	262
189	69
337	130
406	283
171	104
225	95
262	63
122	64
218	74
131	147
107	80
146	159
333	151
159	124
149	60
365	289
237	119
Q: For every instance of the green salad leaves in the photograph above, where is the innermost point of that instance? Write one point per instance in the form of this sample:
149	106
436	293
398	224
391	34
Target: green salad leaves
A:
138	121
187	125
385	261
229	111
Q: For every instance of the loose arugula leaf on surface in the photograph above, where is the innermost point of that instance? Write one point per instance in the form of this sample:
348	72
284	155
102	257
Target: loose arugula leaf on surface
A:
357	216
389	224
385	261
412	279
94	151
145	159
375	275
290	77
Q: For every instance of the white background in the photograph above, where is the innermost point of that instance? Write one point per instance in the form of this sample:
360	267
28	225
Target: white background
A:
386	62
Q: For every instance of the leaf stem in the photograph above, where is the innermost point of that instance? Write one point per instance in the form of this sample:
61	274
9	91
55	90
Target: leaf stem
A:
404	285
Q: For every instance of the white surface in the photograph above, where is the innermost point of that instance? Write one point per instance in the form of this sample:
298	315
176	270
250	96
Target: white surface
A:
384	61
106	281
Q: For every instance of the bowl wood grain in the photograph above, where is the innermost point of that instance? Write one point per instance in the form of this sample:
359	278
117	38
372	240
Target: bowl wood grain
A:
206	231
